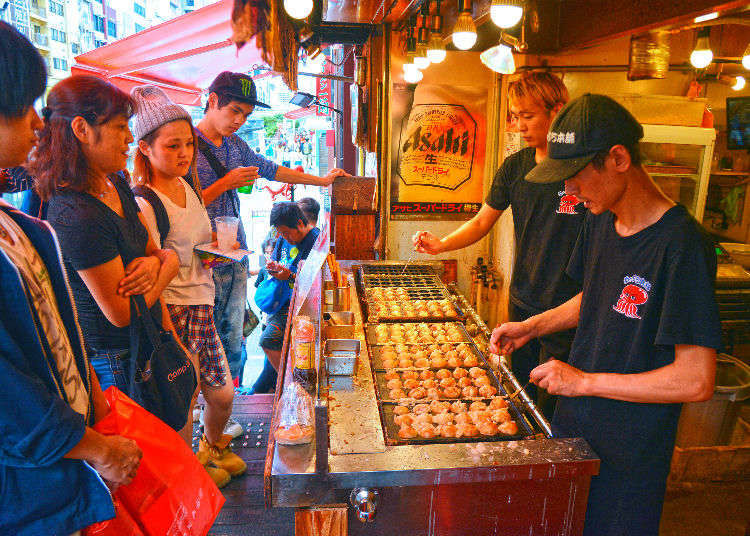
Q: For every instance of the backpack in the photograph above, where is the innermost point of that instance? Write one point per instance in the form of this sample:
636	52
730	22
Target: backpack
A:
162	219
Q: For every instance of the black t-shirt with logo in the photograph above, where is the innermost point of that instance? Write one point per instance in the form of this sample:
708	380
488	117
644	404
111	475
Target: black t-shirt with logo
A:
547	223
642	295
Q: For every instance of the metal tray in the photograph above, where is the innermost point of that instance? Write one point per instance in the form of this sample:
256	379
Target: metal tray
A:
398	269
376	356
373	341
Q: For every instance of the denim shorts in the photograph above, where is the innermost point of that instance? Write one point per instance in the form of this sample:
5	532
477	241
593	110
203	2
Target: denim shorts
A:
272	337
111	366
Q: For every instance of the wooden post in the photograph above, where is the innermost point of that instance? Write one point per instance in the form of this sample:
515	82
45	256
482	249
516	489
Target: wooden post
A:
321	521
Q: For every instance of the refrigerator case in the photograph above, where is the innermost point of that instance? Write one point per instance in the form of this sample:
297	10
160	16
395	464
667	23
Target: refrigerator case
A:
679	160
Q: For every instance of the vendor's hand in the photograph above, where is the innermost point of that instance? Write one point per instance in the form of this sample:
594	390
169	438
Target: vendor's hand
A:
426	242
336	172
559	378
119	460
140	276
509	337
278	270
239	177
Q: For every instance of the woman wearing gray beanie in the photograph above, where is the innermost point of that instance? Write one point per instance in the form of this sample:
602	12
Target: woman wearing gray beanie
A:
166	151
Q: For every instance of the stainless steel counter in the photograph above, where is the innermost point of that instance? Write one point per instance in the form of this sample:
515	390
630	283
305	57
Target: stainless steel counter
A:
312	474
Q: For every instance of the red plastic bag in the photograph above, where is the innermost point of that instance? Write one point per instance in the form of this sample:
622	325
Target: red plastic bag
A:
119	525
171	494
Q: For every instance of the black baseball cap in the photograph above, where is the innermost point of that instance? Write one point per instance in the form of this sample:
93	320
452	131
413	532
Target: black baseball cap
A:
237	86
586	126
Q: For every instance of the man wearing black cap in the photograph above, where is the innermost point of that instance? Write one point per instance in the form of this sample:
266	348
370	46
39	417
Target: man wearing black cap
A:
647	323
226	162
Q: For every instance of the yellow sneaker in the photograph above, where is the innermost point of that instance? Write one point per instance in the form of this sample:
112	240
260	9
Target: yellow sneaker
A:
222	456
220	477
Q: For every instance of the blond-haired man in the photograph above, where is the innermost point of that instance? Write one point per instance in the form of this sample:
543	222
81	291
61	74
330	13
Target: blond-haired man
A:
547	222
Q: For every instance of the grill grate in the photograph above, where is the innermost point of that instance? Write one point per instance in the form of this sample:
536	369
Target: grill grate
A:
397	269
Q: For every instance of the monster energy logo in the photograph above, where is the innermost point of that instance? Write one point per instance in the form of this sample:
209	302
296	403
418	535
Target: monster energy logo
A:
247	86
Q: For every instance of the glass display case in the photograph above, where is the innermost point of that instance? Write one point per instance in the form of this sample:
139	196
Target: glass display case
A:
679	160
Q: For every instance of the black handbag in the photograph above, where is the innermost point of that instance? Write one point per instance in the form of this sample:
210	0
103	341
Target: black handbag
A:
250	321
162	377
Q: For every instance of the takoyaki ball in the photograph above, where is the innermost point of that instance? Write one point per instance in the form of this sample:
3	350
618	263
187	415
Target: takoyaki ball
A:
389	363
450	353
396	393
411	384
407	432
498	403
394	384
471	361
486	391
397	337
389	352
463	418
405	363
381	328
404	420
478	406
423	338
466	430
422	313
454	362
479	416
410	375
418	393
422	362
452	392
392	375
429	384
458	407
433	393
445	348
401	348
426	431
404	354
432	348
509	428
443	418
438	362
381	338
460	373
400	410
426	374
421	408
487	428
447	430
463	347
422	418
447	382
464	382
442	374
475	372
435	354
470	391
441	337
420	354
437	406
482	380
500	415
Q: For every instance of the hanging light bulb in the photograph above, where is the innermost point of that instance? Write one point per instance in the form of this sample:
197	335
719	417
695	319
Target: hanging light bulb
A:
739	83
702	55
464	32
499	58
506	13
420	58
412	74
298	9
435	46
746	58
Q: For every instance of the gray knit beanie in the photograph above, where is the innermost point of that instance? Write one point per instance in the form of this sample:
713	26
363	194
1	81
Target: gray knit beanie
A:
153	109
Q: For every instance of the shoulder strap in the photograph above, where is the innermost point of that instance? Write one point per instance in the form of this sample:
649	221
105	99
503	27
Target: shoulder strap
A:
189	179
219	168
162	219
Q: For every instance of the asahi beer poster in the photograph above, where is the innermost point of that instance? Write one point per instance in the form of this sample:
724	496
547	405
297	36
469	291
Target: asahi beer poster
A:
440	164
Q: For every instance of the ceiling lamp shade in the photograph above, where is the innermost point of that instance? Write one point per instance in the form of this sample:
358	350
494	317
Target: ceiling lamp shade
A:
506	13
746	58
298	9
464	32
499	58
702	55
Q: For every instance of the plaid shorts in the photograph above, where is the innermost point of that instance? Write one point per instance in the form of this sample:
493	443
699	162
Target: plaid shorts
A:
195	326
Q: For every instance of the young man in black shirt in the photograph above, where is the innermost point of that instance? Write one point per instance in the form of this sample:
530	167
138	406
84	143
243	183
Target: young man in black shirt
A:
647	323
546	221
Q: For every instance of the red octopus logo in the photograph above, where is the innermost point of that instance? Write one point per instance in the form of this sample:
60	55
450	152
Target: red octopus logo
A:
568	204
631	297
